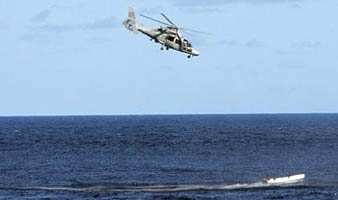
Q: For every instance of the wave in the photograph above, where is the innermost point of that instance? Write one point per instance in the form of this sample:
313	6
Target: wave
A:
161	188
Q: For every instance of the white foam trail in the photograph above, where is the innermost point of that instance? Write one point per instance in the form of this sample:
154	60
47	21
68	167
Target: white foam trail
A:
159	188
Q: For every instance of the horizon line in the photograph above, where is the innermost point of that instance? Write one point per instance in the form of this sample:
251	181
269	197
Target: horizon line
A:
169	114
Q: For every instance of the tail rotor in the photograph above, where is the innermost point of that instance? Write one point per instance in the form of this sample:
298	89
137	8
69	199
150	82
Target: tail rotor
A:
131	23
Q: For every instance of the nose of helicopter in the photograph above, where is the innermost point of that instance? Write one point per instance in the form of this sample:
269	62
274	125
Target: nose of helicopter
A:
195	52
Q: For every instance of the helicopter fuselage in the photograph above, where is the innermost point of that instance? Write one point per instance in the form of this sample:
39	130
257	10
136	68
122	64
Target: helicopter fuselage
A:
168	36
170	39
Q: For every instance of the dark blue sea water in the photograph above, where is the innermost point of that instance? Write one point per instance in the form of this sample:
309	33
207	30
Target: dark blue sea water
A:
168	157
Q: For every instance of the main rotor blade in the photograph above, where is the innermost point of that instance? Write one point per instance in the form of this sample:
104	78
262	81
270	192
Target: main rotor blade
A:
172	23
194	31
158	21
186	32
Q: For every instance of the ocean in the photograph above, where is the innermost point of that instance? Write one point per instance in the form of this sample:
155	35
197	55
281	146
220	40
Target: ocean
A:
168	157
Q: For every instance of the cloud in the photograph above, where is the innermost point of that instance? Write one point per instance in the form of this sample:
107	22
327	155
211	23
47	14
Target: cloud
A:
201	9
98	24
153	10
105	23
3	26
290	65
220	2
229	42
28	37
296	6
42	16
57	28
306	44
97	40
288	52
253	43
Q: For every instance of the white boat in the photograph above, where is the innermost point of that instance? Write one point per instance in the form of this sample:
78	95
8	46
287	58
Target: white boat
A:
285	180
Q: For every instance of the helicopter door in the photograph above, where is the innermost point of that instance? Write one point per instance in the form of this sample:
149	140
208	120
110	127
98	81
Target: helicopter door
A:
184	45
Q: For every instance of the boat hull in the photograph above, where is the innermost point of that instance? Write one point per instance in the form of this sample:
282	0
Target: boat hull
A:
286	180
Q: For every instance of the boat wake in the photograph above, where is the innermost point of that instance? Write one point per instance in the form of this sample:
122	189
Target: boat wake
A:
160	188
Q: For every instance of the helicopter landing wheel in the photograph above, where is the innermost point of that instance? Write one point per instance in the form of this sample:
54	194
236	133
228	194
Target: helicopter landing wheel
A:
162	48
189	56
167	48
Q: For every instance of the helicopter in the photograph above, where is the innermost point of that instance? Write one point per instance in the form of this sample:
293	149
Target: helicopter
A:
168	36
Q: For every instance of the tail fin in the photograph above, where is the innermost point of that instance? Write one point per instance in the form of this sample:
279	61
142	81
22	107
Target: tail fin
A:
131	13
131	23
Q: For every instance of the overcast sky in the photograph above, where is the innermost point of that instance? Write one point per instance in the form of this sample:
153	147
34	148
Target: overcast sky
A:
70	57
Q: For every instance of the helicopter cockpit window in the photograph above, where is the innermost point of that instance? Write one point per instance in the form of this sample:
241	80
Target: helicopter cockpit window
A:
188	43
171	38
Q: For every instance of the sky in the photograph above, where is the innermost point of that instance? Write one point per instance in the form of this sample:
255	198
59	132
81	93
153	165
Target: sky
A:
70	57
